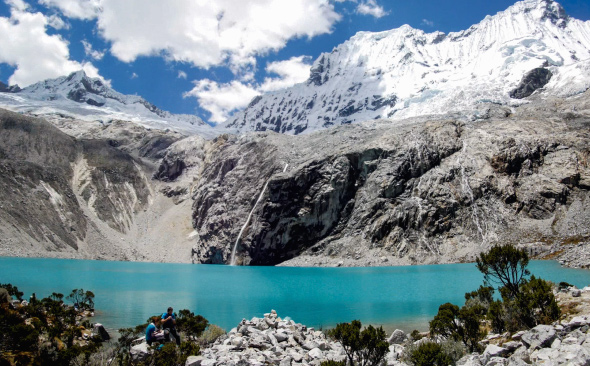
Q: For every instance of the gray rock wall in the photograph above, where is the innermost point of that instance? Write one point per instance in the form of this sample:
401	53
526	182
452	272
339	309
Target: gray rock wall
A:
379	194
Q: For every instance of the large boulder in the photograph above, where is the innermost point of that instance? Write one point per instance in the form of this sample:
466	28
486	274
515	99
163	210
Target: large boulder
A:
533	80
139	352
4	296
397	337
100	331
539	337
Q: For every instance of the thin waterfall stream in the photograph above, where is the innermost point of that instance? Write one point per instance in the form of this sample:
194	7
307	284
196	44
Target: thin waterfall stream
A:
233	252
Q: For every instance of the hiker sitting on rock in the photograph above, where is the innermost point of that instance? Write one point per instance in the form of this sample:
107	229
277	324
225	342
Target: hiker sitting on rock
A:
169	323
152	334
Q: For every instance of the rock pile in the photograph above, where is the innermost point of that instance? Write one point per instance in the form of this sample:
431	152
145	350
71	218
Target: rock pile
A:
558	344
270	341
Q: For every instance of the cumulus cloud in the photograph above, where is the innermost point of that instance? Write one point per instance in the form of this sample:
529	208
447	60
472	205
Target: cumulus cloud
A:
25	44
290	72
182	75
18	5
203	33
79	9
221	100
370	7
91	52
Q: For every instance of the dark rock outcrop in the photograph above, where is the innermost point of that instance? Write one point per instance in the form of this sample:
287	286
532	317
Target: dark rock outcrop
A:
9	89
533	80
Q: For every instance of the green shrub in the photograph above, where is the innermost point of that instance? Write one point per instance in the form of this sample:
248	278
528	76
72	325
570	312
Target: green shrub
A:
537	303
496	316
459	324
189	323
416	335
429	354
368	347
211	334
333	363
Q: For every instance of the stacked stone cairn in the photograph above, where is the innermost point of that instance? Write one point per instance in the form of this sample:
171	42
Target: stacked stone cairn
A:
270	341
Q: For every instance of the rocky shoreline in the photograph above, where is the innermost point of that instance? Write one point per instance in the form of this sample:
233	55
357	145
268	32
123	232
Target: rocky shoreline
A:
272	340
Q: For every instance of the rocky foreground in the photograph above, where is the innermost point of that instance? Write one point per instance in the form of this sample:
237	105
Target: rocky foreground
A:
272	340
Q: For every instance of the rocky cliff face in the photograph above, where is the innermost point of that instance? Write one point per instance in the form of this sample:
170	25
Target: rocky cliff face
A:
84	197
381	193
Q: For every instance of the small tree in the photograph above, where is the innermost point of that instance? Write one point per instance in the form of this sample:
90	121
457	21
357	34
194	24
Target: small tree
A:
81	299
505	266
368	347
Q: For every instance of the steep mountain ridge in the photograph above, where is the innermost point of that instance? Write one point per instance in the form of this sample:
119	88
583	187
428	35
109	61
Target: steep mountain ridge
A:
86	198
406	72
90	99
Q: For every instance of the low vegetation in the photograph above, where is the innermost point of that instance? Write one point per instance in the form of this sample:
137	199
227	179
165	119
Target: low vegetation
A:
52	332
365	348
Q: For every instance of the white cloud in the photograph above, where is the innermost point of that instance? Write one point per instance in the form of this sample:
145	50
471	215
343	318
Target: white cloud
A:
370	7
209	33
221	100
182	75
90	52
79	9
290	72
427	22
56	22
18	5
25	44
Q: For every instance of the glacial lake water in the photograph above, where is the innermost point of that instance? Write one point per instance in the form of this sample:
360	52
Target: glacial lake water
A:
127	293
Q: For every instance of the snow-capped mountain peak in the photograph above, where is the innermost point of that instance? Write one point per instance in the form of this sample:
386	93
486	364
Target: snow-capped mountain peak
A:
406	72
82	97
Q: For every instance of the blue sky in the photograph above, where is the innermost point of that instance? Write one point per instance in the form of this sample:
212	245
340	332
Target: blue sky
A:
210	58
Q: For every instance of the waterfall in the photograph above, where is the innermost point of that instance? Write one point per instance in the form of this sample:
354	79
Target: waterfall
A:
466	188
233	252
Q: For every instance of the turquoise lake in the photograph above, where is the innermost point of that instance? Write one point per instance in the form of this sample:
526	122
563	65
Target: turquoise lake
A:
127	293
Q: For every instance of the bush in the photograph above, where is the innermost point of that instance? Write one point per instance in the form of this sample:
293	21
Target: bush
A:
367	347
429	354
416	335
459	324
189	323
496	316
333	363
211	334
537	303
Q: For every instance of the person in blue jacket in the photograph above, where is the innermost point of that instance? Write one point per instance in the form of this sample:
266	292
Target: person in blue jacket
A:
169	323
152	333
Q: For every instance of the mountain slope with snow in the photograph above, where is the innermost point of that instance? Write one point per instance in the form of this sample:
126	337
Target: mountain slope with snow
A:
81	97
406	72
